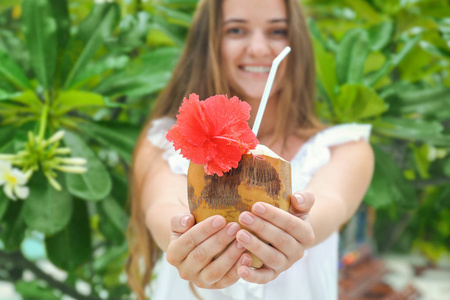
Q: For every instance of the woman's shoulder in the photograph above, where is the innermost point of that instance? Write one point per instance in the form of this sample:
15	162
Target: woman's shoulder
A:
343	133
157	130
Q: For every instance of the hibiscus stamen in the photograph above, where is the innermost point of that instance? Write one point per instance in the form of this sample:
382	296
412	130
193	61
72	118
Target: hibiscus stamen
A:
241	144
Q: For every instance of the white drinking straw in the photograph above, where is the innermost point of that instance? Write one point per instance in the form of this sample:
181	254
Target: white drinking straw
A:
265	97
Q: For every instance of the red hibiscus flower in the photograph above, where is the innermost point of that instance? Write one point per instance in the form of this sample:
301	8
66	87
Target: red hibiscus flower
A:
213	133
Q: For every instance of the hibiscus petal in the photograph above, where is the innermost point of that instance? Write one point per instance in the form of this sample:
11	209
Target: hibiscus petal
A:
192	121
228	157
22	192
224	114
197	154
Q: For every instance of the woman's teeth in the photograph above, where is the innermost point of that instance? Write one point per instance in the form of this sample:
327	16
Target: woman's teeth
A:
257	69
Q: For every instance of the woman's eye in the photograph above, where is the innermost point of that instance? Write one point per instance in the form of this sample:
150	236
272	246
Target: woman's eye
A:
235	31
280	32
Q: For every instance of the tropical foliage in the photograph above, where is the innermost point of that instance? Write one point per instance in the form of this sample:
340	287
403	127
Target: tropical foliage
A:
77	80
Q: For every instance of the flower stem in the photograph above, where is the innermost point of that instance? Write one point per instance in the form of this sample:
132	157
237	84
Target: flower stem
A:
43	122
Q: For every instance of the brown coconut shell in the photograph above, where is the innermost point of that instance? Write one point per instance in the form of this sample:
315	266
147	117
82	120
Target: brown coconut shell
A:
258	178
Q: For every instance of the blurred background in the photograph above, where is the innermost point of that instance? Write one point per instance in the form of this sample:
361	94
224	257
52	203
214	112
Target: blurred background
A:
94	69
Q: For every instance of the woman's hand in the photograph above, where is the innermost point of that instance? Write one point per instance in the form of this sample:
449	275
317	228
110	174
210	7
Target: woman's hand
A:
288	234
192	250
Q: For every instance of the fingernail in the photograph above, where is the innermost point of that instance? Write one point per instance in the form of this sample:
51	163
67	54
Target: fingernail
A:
259	208
245	237
239	246
233	229
218	222
243	273
184	221
299	198
246	261
246	218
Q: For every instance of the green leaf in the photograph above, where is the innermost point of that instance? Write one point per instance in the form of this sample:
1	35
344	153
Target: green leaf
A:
102	263
169	32
410	129
12	227
4	202
356	101
325	70
351	56
40	30
430	48
380	35
46	209
96	39
60	12
113	220
12	72
6	135
406	49
72	99
389	186
72	246
146	75
120	189
120	137
95	184
365	10
422	101
444	199
174	16
29	98
35	290
372	78
115	213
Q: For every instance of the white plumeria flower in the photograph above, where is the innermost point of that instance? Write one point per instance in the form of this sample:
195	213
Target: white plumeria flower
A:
14	181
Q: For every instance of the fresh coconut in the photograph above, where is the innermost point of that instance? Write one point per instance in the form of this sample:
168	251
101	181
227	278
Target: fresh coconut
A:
261	175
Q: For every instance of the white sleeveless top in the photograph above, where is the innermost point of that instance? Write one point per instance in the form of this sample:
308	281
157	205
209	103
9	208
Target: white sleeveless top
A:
314	277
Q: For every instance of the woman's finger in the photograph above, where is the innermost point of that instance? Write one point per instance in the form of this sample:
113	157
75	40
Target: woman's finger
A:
278	237
301	204
291	224
261	276
205	252
222	271
180	248
270	256
180	223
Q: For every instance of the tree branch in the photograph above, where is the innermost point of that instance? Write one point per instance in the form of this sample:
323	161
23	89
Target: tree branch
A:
22	263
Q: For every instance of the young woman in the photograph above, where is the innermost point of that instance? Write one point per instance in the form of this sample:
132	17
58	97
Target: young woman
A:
229	50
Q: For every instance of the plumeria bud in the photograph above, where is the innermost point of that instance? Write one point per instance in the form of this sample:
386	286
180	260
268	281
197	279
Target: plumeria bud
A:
7	157
56	137
53	182
23	153
62	151
78	161
31	138
71	169
28	174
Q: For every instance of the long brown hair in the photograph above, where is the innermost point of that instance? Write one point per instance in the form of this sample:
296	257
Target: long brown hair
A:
199	71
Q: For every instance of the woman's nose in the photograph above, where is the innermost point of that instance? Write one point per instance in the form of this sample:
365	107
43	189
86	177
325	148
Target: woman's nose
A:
259	45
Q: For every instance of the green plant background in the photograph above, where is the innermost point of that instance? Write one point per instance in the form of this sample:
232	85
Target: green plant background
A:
99	67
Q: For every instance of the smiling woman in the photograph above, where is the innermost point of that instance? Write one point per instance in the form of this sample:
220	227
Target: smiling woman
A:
229	50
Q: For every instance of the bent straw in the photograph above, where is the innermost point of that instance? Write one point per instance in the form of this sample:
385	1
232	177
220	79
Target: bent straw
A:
265	96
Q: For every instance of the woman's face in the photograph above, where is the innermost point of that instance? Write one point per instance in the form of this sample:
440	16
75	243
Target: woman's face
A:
254	33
